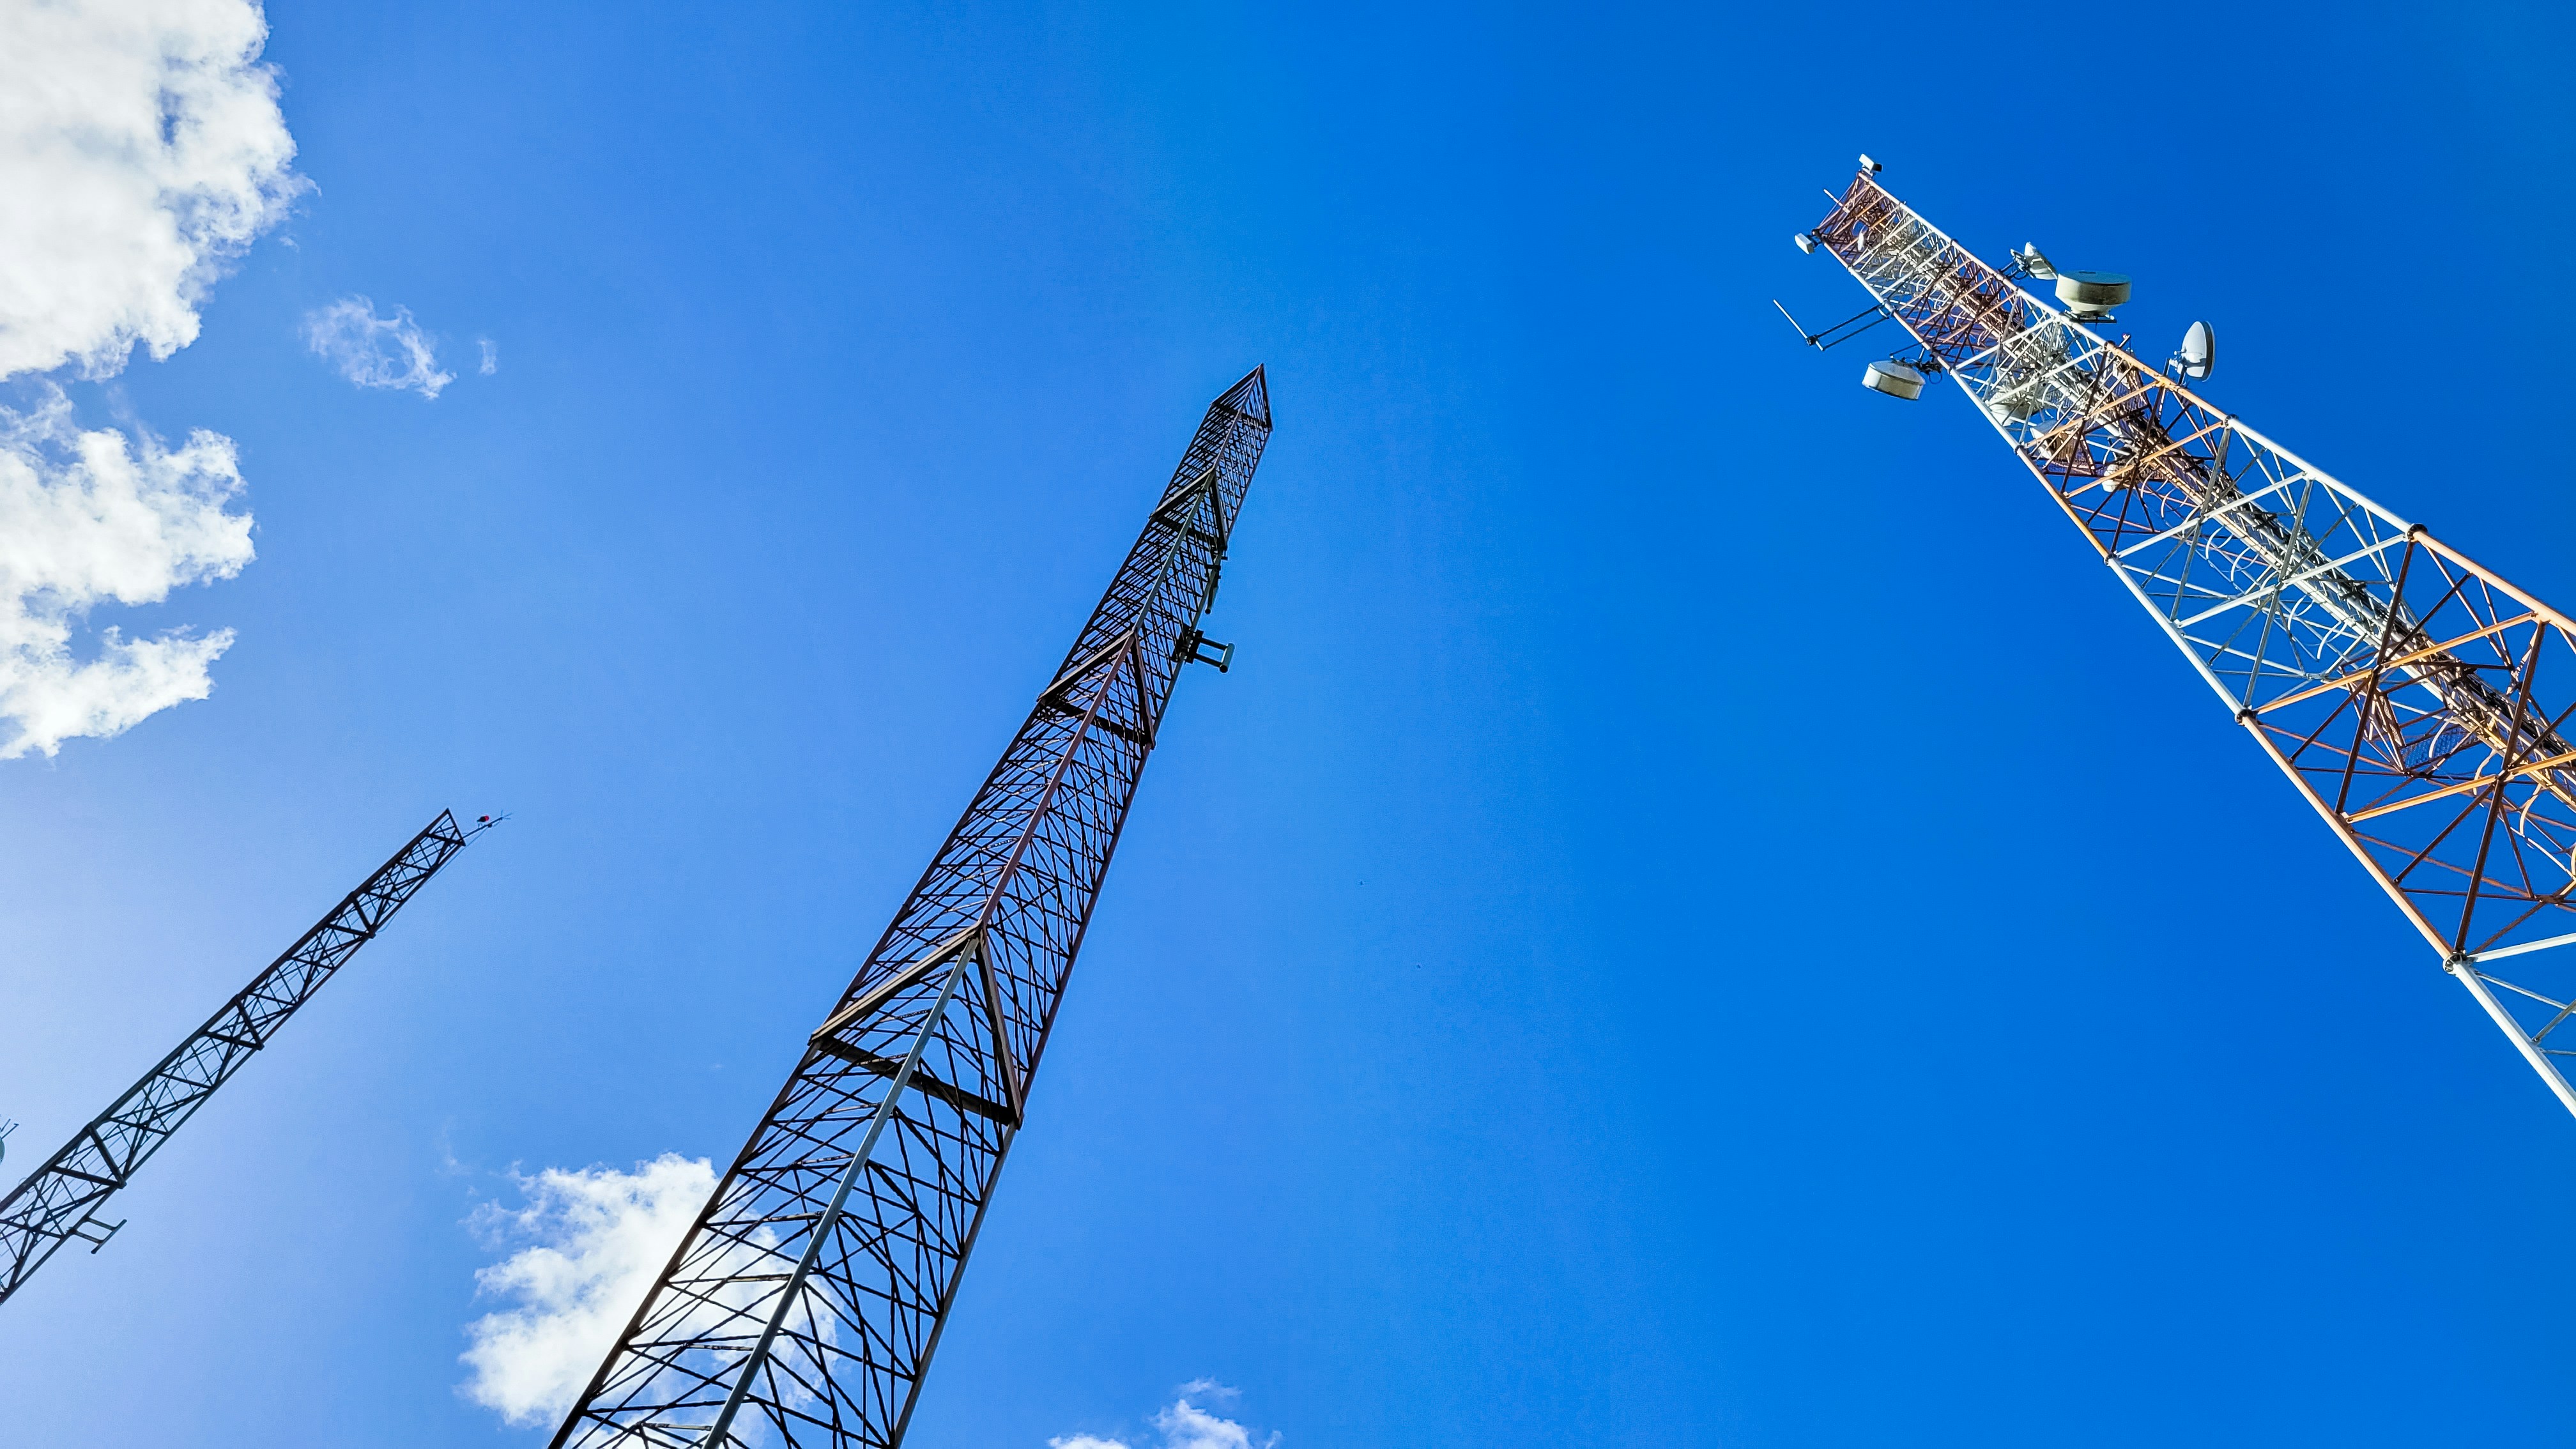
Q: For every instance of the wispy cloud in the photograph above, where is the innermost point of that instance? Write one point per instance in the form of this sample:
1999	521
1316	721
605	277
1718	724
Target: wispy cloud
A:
374	351
1184	1425
491	356
92	518
1187	1426
142	149
596	1239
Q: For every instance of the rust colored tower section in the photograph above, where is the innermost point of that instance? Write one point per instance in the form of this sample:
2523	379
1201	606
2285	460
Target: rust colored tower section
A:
2416	700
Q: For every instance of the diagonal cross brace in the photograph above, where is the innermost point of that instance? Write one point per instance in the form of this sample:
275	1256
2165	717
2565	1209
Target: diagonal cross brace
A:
720	1433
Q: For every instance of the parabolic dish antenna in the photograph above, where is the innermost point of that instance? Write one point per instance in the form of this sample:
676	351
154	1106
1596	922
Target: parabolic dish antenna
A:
2199	350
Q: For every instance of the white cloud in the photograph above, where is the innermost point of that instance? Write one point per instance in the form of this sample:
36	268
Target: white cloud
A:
1184	1425
491	356
141	149
90	518
1187	1426
374	351
601	1238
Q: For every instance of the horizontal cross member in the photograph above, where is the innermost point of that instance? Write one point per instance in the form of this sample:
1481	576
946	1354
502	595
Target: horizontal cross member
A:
1129	733
92	1178
2274	588
924	1082
2463	787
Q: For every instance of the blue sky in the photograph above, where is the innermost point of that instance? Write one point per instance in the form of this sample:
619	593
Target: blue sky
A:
1700	916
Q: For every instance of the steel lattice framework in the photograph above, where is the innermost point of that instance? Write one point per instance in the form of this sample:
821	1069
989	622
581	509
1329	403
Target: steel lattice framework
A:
805	1303
61	1200
2398	685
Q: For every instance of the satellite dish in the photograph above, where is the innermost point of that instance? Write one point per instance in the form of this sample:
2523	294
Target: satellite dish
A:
1894	379
2035	264
2199	351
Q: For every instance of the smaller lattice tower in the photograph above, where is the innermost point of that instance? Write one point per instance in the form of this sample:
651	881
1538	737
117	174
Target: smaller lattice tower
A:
63	1200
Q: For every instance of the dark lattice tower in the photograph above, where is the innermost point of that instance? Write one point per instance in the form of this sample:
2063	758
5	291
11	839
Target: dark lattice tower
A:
62	1200
804	1304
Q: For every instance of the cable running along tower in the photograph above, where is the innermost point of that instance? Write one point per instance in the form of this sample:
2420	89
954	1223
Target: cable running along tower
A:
804	1305
60	1201
2419	702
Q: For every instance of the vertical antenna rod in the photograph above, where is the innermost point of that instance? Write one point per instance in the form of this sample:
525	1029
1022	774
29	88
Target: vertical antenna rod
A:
803	1306
2409	694
60	1201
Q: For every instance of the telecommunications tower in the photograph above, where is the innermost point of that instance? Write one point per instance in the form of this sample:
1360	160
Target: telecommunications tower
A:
2394	681
60	1202
803	1306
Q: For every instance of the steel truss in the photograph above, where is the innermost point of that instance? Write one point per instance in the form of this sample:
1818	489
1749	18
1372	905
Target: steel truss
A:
61	1200
2392	679
804	1305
